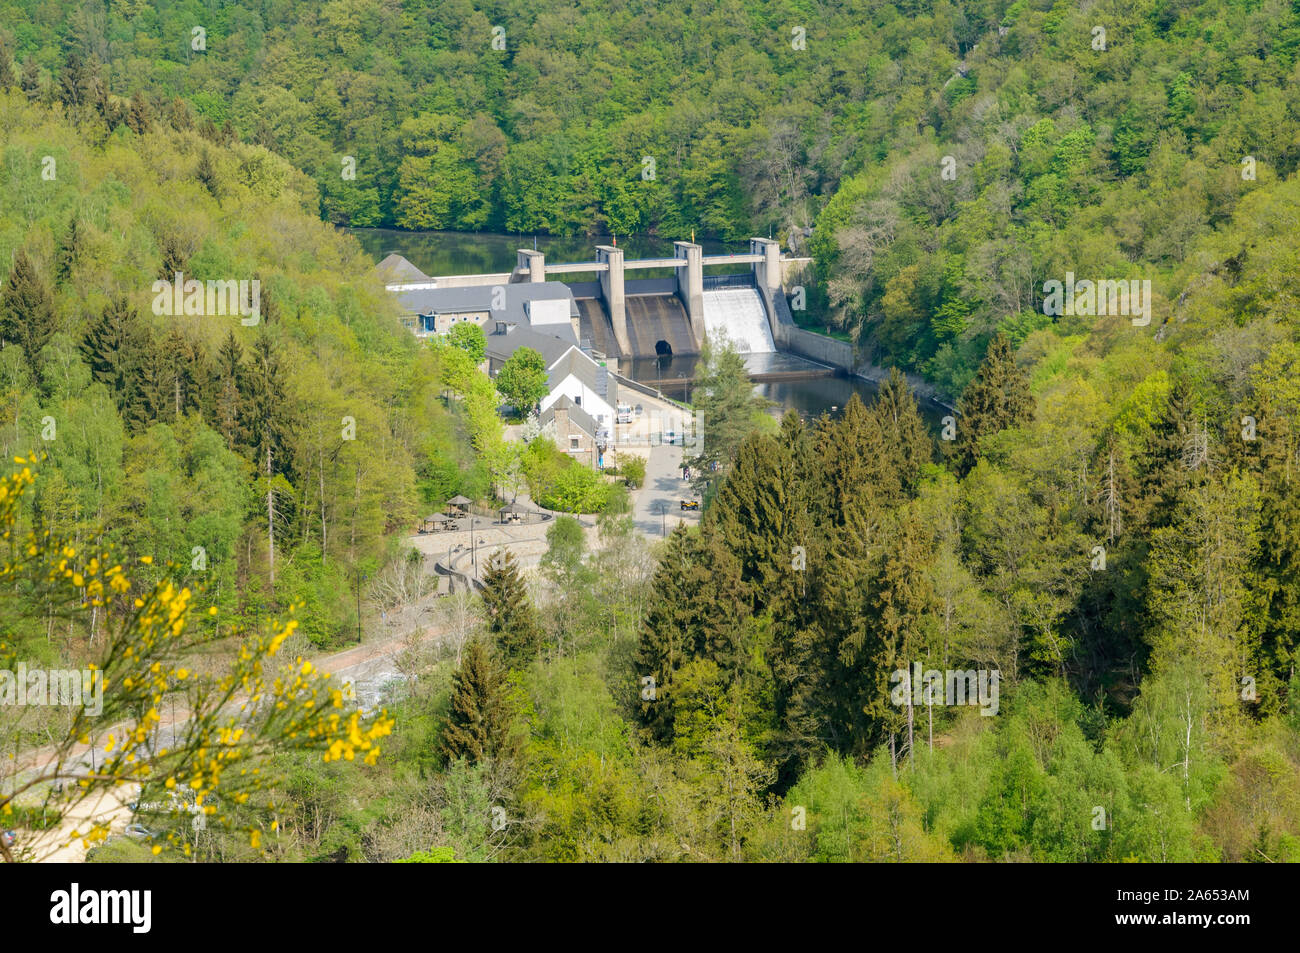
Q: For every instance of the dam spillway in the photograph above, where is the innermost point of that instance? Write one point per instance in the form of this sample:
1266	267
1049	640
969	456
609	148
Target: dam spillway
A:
739	314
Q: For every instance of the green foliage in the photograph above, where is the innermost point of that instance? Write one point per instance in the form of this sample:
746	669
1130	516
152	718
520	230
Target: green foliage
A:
512	619
197	439
469	337
726	409
480	722
522	379
633	468
435	855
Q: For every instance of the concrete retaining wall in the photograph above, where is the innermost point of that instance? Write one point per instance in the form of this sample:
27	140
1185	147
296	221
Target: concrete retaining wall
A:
818	347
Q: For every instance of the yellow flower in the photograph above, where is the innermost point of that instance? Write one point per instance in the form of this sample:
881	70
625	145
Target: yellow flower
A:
157	849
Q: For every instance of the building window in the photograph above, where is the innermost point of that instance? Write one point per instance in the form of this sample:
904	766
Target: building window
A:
573	443
577	400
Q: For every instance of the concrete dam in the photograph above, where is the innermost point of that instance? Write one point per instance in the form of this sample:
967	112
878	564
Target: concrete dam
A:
651	328
635	320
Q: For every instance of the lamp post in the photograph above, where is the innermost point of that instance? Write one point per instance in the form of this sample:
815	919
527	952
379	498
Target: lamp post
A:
361	577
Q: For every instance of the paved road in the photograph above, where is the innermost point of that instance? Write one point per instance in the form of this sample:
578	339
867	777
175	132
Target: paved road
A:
369	668
657	507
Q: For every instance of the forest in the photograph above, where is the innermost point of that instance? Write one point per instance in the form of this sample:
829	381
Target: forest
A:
1109	521
939	160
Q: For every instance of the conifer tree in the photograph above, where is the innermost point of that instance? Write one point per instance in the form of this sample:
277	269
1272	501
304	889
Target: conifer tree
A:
996	399
8	77
666	636
797	658
755	513
31	80
227	400
512	620
698	610
70	251
1276	570
150	394
179	115
73	79
263	409
479	720
138	117
1178	456
908	443
109	349
861	488
901	598
725	407
185	374
206	173
26	309
269	303
174	257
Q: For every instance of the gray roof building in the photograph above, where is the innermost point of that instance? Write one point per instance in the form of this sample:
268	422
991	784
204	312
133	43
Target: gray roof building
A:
577	416
397	270
478	299
595	376
552	346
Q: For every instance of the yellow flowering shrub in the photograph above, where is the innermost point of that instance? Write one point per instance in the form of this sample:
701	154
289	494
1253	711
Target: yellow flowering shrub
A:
214	759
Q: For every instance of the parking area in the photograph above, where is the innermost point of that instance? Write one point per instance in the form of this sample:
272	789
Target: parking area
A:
657	508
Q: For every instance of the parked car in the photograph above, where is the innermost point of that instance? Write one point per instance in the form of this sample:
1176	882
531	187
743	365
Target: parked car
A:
690	504
138	832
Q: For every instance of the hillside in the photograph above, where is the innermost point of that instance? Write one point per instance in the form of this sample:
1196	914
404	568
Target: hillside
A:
172	433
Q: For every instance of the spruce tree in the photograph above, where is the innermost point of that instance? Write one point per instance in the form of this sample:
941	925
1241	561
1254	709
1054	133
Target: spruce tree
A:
150	394
907	441
263	409
138	117
1276	571
996	399
269	303
698	610
188	374
70	250
226	399
1173	462
108	347
479	720
755	513
726	410
31	80
8	77
861	489
899	602
511	617
73	80
179	115
796	658
206	173
174	257
26	309
666	637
